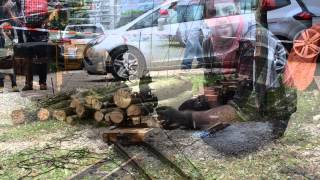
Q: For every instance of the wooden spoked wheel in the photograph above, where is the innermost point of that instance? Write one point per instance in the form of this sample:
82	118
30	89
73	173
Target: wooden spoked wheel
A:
307	44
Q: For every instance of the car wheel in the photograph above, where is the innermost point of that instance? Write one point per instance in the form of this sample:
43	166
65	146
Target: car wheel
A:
306	45
128	64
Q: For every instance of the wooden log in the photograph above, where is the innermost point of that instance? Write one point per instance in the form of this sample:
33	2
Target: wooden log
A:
122	98
102	101
43	114
133	135
18	116
134	110
117	116
89	100
72	119
100	115
84	111
61	114
96	104
75	102
106	105
136	120
107	117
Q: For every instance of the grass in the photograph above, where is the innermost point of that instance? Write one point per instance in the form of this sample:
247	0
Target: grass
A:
32	130
46	163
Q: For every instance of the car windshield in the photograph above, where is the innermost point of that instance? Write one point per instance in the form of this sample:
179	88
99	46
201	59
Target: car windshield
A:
83	32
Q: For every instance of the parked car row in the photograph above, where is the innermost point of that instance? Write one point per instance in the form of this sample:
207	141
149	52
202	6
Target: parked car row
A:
156	39
147	42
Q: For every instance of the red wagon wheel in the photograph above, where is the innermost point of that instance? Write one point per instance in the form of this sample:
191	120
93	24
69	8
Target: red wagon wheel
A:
307	44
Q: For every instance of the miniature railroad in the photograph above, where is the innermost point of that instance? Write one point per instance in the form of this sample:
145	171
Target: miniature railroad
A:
133	165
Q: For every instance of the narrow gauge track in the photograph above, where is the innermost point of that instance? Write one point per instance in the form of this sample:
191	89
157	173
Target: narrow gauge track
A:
141	161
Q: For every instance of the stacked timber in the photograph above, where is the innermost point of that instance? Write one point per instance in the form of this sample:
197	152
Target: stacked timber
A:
117	104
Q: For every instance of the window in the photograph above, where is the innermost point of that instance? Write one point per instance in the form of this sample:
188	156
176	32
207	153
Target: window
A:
148	21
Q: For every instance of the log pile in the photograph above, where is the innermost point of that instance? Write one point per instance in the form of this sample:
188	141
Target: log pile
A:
112	106
116	104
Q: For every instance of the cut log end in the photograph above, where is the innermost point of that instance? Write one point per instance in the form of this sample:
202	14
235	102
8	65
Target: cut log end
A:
80	110
75	103
59	115
18	116
98	116
96	104
43	114
122	98
84	111
116	116
89	100
72	119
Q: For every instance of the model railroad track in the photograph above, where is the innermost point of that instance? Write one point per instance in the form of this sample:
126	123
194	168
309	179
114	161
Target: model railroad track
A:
142	161
107	168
